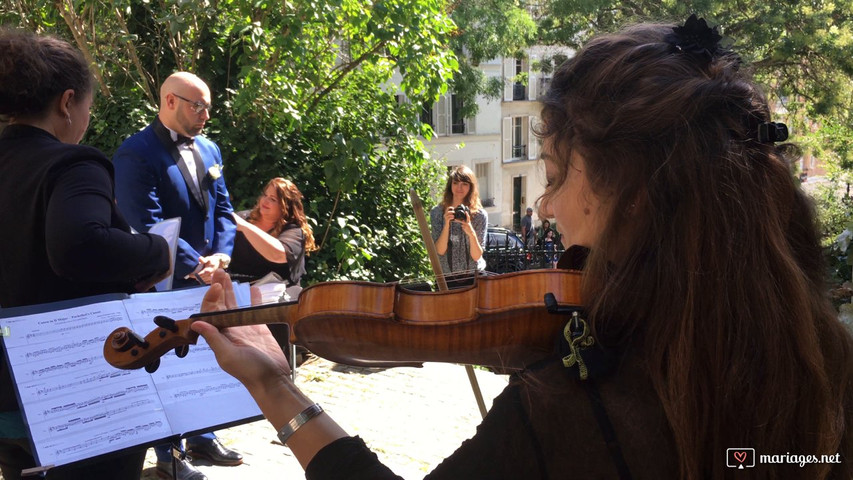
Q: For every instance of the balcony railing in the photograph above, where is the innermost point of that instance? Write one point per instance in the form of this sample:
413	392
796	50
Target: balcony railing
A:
504	260
519	151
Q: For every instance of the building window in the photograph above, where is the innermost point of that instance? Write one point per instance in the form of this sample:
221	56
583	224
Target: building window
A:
457	122
426	115
481	171
518	90
519	145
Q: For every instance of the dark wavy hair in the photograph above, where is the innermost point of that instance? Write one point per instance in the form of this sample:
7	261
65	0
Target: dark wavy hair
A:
35	69
709	262
290	201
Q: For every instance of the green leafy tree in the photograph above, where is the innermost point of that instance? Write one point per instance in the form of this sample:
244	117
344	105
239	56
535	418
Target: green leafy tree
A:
301	89
799	51
487	29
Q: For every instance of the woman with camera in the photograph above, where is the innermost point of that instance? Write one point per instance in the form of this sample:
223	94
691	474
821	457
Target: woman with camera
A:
458	224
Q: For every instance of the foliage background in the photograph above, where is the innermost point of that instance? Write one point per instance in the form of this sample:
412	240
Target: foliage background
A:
300	89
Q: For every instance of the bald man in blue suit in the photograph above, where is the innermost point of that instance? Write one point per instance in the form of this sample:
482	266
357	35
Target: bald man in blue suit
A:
169	170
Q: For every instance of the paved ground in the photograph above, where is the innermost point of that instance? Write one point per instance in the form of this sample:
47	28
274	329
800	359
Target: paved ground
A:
411	417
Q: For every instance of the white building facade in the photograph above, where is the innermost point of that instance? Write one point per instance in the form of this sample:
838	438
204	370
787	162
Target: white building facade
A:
498	144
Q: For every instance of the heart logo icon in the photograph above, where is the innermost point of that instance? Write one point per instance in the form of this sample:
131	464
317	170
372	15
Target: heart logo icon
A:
740	456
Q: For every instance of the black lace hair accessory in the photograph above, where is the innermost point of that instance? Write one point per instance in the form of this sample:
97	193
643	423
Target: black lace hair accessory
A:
697	38
771	132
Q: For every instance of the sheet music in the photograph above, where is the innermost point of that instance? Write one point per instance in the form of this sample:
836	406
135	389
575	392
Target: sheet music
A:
185	383
77	406
169	229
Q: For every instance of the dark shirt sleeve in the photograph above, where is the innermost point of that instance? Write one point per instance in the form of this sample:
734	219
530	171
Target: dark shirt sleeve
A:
86	237
347	458
436	221
503	446
292	239
494	452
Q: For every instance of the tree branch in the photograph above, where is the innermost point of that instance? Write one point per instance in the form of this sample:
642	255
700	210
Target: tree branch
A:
131	49
66	9
343	73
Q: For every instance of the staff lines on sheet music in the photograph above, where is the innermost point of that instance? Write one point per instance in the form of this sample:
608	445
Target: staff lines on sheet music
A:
111	318
151	312
194	350
68	346
110	438
200	392
200	371
66	365
98	416
142	388
89	379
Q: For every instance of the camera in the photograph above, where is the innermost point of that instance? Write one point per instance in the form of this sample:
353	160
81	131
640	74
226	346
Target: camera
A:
459	213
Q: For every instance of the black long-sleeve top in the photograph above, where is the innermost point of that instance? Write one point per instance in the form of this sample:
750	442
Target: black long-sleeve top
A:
62	235
542	426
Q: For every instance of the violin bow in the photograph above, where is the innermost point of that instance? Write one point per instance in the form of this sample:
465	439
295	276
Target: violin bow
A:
418	207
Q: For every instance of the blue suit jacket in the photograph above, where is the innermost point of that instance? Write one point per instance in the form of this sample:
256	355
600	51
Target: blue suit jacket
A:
152	185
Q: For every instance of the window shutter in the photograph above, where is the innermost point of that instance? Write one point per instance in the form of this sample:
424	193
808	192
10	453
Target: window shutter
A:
509	73
532	140
507	138
441	124
532	80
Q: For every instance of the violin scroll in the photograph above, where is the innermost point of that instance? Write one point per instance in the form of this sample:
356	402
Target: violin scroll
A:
126	350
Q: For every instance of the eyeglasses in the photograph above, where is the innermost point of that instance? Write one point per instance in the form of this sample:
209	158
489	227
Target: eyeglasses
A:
196	107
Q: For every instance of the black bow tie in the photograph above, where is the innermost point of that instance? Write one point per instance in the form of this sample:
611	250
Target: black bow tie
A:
182	140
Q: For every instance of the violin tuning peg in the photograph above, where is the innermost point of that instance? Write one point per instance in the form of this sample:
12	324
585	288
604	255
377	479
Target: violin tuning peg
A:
182	351
125	339
153	366
139	341
166	322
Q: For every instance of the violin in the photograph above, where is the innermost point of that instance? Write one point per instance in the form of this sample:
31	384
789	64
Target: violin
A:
499	321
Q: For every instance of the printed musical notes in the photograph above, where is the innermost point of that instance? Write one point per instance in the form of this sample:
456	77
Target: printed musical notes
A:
77	406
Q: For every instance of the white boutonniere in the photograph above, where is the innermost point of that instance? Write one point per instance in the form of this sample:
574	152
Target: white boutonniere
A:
215	171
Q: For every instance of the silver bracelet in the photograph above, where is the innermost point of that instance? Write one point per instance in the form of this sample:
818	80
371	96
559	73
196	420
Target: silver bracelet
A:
300	419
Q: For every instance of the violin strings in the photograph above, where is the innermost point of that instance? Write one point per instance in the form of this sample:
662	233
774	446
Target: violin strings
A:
456	278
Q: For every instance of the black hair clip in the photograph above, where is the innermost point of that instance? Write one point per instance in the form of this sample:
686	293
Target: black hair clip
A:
771	132
696	37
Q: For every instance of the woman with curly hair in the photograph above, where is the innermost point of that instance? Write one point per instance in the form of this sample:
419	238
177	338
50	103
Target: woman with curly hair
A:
274	236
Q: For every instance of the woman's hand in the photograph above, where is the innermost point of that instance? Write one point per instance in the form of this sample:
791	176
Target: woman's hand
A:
250	353
449	215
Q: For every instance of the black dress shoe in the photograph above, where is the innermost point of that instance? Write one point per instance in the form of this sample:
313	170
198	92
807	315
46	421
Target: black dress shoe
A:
186	471
215	453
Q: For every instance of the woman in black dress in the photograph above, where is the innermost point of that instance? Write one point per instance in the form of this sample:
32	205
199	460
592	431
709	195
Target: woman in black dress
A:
273	237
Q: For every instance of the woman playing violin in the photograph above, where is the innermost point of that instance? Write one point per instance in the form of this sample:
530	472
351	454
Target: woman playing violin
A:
703	289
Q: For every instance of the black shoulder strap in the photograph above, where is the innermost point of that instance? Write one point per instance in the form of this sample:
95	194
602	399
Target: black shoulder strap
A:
607	430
